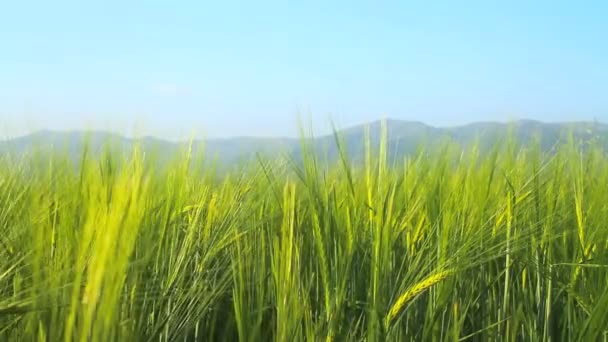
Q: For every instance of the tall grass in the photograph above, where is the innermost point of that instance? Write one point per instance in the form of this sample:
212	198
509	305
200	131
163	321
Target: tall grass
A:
453	245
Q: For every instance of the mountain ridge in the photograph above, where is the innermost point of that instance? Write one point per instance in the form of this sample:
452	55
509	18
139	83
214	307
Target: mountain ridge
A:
404	137
374	123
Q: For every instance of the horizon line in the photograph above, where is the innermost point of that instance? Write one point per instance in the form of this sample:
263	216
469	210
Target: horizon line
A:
335	128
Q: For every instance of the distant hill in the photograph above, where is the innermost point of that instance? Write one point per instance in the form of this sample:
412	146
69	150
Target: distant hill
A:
404	137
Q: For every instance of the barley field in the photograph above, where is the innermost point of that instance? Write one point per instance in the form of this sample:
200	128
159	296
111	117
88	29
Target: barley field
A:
508	244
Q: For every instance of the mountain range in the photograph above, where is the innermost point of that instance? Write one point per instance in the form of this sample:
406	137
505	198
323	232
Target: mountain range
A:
404	137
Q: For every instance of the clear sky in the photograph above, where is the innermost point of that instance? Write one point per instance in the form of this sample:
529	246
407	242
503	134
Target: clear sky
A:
225	68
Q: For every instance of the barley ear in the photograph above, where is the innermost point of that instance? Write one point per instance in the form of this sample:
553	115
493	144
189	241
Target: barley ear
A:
412	292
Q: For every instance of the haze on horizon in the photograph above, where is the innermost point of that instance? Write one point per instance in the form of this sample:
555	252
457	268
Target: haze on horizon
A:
251	69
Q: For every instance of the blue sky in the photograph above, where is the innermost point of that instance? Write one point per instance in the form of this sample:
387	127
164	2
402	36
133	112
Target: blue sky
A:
225	68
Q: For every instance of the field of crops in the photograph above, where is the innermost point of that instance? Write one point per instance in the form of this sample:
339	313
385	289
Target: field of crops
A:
510	244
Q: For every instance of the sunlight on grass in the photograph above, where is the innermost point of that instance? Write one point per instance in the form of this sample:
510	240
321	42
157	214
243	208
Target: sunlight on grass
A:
507	244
